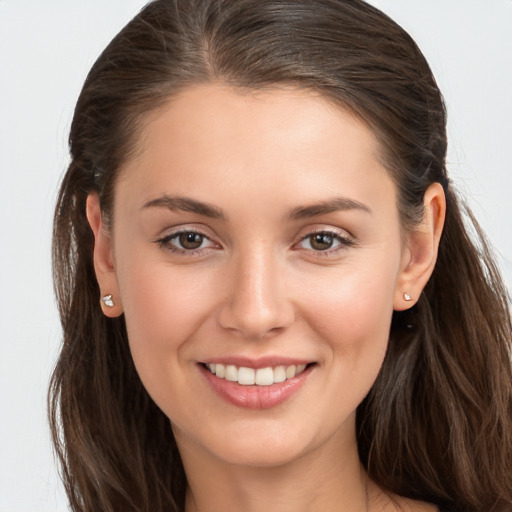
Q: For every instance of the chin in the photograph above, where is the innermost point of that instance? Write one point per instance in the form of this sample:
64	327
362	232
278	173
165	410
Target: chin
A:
273	453
271	442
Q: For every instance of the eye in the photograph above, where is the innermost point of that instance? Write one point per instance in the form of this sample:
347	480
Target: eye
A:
324	241
186	242
189	241
320	241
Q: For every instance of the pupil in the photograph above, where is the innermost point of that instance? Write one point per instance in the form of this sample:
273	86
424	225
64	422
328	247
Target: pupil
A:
191	240
321	241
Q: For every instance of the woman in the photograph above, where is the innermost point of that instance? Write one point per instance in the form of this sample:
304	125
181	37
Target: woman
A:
268	293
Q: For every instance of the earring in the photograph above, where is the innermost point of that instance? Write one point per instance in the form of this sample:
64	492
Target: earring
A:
407	297
107	300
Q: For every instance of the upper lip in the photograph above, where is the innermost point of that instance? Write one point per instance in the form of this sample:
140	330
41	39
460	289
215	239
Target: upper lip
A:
256	363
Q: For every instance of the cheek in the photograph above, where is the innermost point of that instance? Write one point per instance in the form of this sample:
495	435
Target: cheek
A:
355	298
353	311
163	307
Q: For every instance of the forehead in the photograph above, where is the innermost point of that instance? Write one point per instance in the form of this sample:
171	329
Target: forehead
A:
215	138
216	107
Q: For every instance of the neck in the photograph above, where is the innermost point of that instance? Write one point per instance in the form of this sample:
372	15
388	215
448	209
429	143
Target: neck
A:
329	477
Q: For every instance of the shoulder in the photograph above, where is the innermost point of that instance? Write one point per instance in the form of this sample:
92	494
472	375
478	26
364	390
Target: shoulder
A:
384	501
408	505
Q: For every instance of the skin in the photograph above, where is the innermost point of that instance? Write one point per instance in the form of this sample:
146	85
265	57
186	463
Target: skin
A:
259	287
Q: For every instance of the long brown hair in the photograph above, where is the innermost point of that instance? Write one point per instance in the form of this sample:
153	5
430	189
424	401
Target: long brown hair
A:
437	424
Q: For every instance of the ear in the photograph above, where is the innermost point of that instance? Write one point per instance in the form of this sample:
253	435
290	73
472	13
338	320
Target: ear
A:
420	251
103	260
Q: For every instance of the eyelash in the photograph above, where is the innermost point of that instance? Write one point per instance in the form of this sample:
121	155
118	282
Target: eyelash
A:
344	242
167	244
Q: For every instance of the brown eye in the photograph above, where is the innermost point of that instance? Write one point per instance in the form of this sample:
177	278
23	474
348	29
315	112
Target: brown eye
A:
190	240
325	243
321	241
187	243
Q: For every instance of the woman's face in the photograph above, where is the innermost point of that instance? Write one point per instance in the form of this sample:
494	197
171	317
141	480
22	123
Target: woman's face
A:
257	232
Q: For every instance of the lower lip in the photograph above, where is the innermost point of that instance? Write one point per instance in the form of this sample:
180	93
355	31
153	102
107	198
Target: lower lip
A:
256	397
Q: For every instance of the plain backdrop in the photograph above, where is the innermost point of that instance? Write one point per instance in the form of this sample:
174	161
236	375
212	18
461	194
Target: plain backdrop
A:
46	49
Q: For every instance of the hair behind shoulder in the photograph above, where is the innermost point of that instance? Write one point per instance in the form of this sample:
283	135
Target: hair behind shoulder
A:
437	425
444	391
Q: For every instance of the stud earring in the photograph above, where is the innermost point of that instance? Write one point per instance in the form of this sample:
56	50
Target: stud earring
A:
407	297
107	300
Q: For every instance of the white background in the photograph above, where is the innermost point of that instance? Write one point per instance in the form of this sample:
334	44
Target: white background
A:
46	49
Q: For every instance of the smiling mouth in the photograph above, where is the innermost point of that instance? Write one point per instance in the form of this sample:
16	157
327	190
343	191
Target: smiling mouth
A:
255	377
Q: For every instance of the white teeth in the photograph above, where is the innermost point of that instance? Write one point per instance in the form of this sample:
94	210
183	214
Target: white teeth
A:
291	371
231	373
279	374
246	376
261	377
264	377
220	370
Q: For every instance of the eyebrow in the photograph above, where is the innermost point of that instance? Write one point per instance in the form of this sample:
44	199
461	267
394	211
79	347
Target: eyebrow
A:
186	204
329	206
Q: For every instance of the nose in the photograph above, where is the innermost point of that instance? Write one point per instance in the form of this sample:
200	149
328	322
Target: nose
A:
256	304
